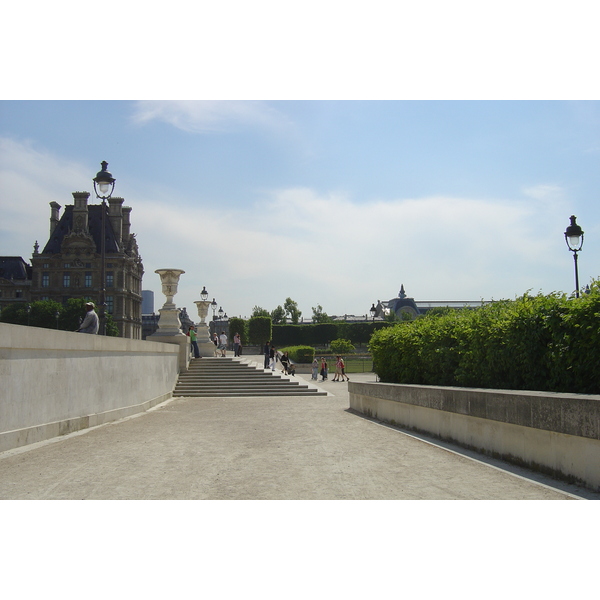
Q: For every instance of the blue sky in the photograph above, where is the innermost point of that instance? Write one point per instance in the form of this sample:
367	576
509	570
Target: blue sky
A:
324	155
335	203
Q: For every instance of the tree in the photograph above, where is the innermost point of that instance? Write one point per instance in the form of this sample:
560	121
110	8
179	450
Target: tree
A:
259	311
291	309
43	314
278	316
237	325
319	316
341	346
260	330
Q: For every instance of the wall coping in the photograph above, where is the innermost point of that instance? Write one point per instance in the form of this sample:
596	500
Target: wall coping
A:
571	414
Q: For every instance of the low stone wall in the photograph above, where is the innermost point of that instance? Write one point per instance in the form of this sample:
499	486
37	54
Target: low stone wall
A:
56	382
558	434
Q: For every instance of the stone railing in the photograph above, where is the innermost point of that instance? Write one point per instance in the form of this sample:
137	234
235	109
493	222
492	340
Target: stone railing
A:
56	382
557	434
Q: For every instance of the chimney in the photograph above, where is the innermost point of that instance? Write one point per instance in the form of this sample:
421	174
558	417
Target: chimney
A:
54	208
115	215
126	224
80	211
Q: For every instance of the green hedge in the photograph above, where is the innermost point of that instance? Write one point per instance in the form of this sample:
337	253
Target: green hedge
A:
545	343
300	354
321	334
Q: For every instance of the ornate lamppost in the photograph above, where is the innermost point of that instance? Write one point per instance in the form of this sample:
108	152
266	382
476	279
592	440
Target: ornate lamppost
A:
373	311
205	346
104	185
574	239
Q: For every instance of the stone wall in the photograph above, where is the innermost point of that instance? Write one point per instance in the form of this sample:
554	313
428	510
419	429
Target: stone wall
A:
558	434
55	382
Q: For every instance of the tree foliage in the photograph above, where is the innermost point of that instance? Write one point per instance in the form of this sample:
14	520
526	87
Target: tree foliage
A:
341	346
319	316
278	316
260	330
237	325
259	311
545	343
43	313
291	309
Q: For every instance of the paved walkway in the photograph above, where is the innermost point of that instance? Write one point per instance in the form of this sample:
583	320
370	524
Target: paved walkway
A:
261	448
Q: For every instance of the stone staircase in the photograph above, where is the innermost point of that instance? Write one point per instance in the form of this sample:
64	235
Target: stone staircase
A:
231	377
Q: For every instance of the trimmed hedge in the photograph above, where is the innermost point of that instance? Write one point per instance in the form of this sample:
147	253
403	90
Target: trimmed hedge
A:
300	354
321	334
545	343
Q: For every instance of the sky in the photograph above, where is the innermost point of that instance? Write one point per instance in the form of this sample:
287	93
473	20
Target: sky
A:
331	203
327	160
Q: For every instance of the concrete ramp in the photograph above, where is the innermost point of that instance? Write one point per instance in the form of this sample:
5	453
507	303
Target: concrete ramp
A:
231	377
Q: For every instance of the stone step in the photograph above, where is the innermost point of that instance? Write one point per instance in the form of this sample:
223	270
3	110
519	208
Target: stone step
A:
227	377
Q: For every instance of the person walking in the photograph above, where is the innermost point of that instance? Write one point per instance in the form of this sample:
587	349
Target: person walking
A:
315	369
216	343
223	343
285	361
338	369
272	357
194	341
343	369
267	353
91	323
323	369
237	344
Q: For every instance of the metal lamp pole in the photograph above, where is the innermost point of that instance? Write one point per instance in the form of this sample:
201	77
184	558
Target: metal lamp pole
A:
104	185
574	239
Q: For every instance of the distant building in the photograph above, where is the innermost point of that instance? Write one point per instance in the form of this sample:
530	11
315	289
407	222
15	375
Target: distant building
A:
147	302
70	264
403	305
15	281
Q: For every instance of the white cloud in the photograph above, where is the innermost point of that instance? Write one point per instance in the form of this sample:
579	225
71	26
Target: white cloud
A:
199	116
318	248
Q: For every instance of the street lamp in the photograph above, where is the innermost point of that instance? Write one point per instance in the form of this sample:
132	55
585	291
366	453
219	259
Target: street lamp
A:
57	314
574	239
220	313
104	185
213	305
204	294
373	311
28	313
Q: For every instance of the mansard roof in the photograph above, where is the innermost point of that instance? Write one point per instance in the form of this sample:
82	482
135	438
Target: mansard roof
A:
14	267
65	226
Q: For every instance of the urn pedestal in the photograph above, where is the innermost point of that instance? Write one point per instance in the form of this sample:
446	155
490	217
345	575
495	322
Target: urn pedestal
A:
169	325
206	347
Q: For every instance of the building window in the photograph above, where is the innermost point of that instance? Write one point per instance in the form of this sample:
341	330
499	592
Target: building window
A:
45	298
88	265
110	303
46	266
88	279
45	279
18	293
67	265
66	280
110	279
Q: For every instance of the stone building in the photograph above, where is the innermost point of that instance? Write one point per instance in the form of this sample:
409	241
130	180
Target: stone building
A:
15	281
406	308
70	265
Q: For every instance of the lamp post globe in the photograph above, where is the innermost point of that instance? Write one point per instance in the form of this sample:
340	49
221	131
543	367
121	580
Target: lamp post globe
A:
104	185
373	311
204	294
574	239
104	182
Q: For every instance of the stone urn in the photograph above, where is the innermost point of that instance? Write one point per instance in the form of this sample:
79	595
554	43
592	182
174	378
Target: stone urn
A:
206	347
169	323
